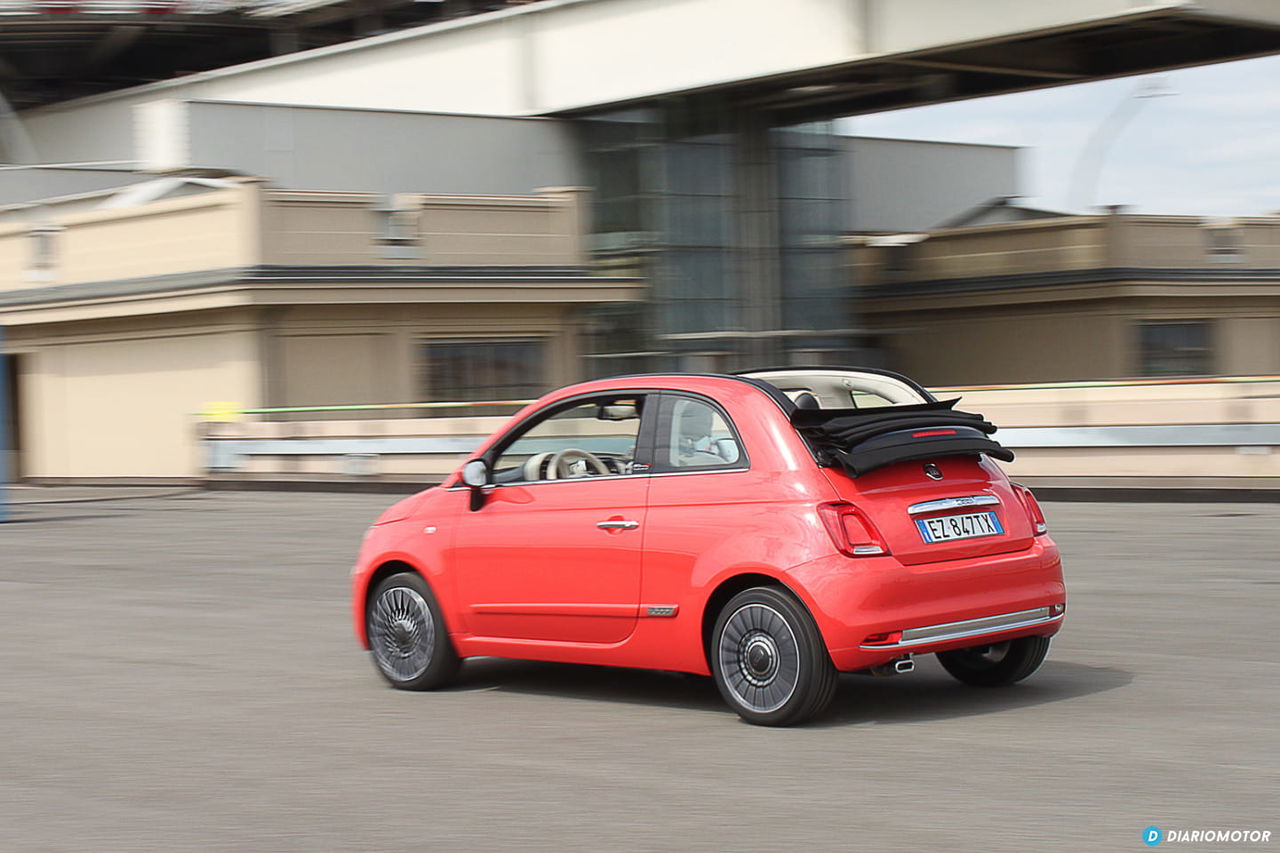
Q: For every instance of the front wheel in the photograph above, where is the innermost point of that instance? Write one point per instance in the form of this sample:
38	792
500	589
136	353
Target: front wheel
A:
769	659
997	664
407	635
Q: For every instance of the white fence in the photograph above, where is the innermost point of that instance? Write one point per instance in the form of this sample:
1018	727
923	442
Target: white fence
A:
1227	430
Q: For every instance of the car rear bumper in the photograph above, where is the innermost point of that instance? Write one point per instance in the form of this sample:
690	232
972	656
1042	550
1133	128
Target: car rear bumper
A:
871	611
971	629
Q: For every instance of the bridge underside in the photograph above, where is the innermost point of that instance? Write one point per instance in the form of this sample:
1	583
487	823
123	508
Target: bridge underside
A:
1116	47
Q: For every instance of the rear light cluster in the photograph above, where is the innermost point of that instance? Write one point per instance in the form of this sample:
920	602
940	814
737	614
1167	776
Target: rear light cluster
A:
851	531
1032	507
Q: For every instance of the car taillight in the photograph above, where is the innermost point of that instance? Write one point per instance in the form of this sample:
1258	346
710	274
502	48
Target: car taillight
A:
1033	509
852	532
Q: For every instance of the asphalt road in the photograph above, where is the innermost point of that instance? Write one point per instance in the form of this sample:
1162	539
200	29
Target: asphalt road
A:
178	673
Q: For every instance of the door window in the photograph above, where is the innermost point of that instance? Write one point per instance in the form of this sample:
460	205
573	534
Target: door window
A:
588	438
694	436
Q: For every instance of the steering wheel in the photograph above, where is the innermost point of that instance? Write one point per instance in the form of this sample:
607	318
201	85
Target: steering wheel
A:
558	467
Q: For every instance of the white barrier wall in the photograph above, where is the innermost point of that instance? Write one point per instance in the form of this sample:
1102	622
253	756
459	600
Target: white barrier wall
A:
1228	429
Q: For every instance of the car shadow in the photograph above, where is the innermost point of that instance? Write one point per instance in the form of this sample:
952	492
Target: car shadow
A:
927	694
931	694
594	683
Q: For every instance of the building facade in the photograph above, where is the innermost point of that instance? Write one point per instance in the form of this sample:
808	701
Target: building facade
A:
1071	298
130	312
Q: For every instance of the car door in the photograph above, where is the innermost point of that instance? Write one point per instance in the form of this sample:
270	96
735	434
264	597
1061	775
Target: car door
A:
554	554
705	501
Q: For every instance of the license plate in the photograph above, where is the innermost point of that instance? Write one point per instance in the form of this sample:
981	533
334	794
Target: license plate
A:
952	527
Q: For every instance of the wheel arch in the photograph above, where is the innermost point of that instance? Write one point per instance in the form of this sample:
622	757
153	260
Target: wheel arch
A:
384	570
727	589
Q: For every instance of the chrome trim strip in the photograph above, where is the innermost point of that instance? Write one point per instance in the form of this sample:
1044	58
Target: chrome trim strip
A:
952	503
948	631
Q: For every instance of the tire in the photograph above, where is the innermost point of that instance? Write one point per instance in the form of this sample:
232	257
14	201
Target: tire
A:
768	659
996	665
407	636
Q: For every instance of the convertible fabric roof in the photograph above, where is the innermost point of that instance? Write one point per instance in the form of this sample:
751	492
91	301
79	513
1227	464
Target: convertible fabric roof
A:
862	440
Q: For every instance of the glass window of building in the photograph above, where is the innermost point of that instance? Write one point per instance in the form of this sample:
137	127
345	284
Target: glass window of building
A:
1175	348
482	369
1223	239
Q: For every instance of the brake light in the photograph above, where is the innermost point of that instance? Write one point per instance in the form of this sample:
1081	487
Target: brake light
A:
1032	506
852	532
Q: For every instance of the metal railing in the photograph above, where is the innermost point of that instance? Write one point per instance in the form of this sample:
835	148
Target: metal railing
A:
231	448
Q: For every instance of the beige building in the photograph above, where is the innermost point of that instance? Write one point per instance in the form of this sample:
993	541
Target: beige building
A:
1068	298
129	311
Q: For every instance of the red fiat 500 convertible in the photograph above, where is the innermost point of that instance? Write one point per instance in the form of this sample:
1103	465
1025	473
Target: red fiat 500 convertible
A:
770	529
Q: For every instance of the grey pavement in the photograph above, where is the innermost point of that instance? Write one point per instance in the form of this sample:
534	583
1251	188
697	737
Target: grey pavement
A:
177	673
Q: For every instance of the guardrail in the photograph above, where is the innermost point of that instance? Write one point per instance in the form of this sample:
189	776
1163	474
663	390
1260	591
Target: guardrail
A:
229	454
1058	430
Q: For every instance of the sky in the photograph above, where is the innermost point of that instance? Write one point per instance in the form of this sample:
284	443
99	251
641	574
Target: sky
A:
1211	147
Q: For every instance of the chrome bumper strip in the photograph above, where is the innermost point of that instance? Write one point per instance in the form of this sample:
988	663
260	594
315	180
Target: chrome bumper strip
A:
948	631
952	503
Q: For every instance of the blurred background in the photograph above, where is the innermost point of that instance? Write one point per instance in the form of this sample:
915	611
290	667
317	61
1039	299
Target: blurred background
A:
335	241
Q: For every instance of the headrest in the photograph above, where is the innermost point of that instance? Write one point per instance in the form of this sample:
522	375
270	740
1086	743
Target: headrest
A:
618	412
695	422
805	400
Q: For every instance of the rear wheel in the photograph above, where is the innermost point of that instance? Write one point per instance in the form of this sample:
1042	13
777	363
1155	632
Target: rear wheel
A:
769	660
997	664
407	636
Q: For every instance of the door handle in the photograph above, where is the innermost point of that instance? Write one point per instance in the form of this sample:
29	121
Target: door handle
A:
617	525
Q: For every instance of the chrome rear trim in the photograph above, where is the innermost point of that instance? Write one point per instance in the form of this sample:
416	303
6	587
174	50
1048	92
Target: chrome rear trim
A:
948	631
952	503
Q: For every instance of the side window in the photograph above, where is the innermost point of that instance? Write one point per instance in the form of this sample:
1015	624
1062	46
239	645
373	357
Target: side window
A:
590	438
693	435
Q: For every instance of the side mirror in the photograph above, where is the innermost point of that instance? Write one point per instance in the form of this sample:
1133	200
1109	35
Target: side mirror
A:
475	473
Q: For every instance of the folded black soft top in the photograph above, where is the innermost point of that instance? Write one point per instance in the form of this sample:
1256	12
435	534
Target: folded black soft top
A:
861	440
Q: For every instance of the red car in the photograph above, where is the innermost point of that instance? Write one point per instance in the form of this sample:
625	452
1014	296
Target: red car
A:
770	529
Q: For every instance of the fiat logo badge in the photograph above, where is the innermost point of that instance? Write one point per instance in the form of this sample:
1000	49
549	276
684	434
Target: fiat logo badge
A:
931	471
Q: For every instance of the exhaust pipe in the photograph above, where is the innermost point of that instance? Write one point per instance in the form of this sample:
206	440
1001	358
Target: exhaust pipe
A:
901	666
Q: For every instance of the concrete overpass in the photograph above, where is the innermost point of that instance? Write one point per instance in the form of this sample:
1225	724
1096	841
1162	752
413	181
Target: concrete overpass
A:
802	59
